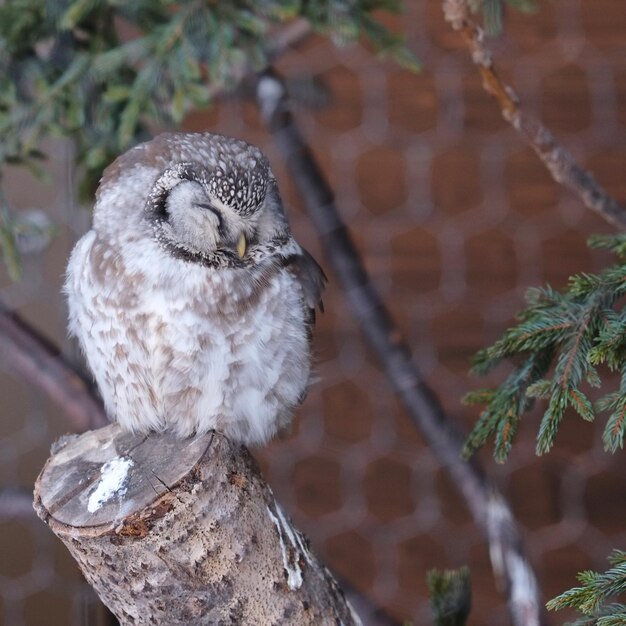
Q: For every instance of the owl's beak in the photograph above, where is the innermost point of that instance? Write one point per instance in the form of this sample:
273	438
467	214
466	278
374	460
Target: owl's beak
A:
241	245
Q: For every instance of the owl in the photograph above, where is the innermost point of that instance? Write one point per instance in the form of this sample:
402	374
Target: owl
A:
191	300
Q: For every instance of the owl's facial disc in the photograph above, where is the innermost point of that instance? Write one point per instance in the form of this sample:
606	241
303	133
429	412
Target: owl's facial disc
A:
209	215
200	223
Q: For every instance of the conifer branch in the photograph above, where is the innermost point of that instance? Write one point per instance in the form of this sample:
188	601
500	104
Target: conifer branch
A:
557	159
572	332
491	513
67	69
596	589
450	593
285	38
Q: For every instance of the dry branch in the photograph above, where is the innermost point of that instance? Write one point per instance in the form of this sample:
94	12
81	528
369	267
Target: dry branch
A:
32	358
182	532
490	511
559	161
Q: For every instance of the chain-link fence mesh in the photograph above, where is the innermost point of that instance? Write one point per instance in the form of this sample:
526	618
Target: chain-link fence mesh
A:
455	218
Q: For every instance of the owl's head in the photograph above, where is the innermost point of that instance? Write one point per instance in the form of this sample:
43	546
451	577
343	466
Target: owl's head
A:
203	197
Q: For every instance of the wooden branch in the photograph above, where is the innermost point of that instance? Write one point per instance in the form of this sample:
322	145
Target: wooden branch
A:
182	532
558	160
488	507
36	361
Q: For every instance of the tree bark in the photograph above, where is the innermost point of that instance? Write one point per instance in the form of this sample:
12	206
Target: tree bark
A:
182	532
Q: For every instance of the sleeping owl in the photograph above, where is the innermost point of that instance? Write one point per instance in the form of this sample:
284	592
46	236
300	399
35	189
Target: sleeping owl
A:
191	300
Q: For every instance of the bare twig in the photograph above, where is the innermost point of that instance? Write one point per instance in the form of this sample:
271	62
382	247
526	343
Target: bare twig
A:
31	357
559	161
488	508
16	503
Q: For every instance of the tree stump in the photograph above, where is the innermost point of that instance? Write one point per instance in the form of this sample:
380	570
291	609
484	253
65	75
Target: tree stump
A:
182	532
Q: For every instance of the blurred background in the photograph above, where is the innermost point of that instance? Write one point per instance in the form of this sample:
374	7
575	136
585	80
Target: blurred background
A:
455	218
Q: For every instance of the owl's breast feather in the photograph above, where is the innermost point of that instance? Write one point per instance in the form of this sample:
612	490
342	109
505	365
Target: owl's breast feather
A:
194	348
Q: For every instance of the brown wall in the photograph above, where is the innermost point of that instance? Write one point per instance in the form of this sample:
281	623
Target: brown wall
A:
455	218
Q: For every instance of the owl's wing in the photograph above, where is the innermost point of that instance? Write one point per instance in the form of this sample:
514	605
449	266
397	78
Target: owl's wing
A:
311	278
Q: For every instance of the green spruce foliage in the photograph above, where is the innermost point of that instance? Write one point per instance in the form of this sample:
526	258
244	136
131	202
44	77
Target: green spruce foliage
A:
597	595
106	73
450	593
559	343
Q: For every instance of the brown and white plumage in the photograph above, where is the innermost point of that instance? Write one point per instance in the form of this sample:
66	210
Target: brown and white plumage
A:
190	297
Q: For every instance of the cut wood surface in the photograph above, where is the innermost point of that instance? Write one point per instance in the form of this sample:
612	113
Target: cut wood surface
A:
175	532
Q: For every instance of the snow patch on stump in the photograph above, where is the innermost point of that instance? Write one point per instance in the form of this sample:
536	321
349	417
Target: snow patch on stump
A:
113	478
